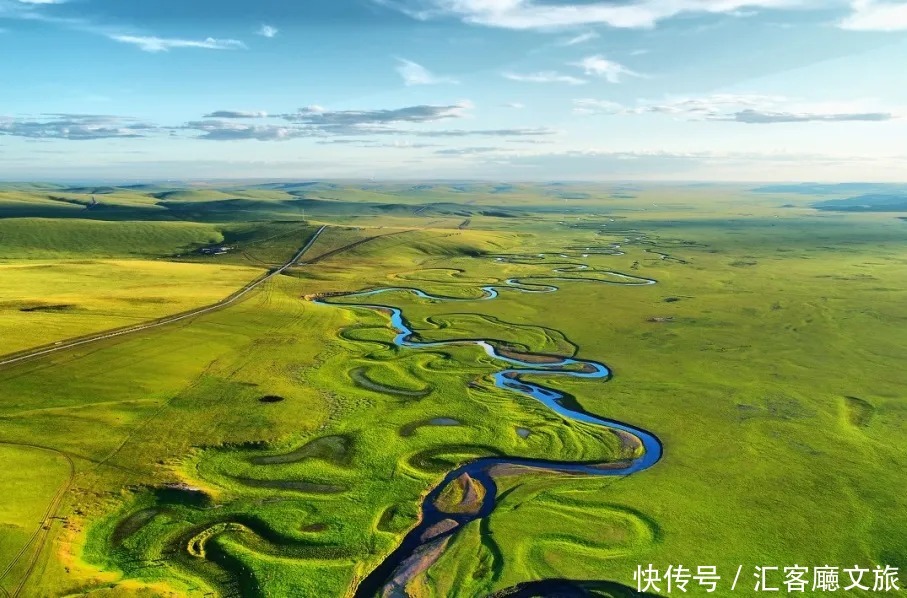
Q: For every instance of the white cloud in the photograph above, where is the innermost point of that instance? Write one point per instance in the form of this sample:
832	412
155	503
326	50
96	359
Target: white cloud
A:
318	122
590	106
220	130
711	106
313	122
599	66
319	116
150	43
34	10
415	74
467	151
745	108
237	114
268	31
532	14
515	105
580	39
604	164
544	77
875	15
75	127
755	117
519	132
402	145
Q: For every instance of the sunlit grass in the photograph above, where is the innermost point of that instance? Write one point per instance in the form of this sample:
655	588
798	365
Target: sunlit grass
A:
767	359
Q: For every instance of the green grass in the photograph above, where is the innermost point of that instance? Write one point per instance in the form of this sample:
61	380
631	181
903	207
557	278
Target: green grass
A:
767	359
35	238
34	481
48	301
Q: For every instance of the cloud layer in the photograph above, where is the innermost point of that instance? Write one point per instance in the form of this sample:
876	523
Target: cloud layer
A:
874	15
150	43
236	114
316	115
75	127
865	15
743	108
531	14
222	130
234	125
544	77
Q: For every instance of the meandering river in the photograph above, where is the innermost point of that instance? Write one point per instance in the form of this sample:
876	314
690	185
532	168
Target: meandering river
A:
424	544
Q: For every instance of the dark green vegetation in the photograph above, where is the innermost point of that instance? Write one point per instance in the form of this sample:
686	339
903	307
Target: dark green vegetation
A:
768	359
848	197
874	202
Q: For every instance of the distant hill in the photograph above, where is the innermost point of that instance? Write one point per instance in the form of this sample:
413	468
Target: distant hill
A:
90	190
832	188
870	202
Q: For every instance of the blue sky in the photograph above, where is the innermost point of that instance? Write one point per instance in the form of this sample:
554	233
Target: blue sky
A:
503	89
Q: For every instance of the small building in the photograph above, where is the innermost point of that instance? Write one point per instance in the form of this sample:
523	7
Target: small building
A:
217	250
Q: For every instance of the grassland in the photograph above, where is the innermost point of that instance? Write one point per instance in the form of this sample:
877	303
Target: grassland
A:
48	301
767	359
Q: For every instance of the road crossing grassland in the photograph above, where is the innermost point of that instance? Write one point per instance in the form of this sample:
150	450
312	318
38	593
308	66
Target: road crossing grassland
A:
46	301
229	300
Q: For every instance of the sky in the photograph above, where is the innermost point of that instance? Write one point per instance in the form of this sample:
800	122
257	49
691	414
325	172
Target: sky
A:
723	90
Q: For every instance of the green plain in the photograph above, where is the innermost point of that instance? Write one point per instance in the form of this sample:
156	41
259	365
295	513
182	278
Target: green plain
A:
767	359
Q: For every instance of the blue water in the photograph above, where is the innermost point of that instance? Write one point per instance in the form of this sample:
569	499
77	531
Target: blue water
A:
509	378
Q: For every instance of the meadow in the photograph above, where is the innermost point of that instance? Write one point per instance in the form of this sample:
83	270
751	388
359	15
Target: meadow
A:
283	446
48	301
